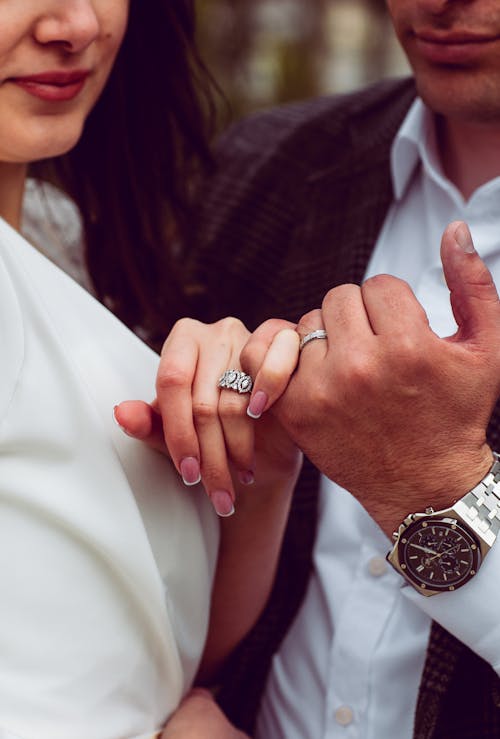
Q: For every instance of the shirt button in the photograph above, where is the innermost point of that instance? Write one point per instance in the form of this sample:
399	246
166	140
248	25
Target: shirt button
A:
344	715
377	566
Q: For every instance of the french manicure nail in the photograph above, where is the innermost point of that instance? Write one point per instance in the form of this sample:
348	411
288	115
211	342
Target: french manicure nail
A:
118	422
190	471
464	239
222	502
246	477
257	404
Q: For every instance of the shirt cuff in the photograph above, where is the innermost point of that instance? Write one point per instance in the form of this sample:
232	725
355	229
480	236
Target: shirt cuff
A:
471	613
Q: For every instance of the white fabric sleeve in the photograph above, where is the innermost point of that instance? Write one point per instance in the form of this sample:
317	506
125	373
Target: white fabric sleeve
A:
471	613
106	562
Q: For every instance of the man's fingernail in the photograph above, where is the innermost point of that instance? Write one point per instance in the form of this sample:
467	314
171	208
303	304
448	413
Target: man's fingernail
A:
190	471
464	239
246	477
222	502
257	404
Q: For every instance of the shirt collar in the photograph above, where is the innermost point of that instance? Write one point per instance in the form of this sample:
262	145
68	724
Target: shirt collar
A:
414	144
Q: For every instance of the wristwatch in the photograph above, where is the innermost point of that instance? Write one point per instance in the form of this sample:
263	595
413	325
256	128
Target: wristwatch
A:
438	551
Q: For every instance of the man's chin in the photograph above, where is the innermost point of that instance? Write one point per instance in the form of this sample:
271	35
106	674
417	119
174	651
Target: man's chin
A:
458	96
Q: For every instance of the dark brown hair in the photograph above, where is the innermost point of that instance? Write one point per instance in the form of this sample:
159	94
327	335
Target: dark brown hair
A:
133	172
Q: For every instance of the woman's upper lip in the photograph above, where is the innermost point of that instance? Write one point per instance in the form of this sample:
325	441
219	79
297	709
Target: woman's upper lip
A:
56	78
454	37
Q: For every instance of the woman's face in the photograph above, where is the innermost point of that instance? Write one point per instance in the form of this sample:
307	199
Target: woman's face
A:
55	58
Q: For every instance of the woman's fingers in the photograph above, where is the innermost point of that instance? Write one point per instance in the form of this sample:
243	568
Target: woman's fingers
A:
272	352
213	409
238	433
176	373
275	372
141	421
204	426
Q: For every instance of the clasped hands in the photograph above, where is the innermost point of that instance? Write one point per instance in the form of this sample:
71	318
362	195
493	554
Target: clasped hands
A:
383	407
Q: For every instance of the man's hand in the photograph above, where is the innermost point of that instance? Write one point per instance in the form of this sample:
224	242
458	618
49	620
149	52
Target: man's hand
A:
199	717
385	407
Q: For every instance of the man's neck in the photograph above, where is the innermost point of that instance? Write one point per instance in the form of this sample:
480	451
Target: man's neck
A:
470	153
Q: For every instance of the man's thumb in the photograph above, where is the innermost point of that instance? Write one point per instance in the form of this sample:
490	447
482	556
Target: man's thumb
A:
473	295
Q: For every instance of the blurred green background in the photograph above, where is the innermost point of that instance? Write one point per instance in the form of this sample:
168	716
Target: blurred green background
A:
264	52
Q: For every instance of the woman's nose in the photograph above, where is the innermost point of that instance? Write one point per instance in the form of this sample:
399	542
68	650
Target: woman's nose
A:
73	24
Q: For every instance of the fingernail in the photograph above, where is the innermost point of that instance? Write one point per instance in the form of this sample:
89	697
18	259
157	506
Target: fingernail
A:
464	239
257	404
118	422
190	471
223	503
246	477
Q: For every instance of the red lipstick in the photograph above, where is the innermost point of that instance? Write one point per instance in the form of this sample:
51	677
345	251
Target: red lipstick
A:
53	86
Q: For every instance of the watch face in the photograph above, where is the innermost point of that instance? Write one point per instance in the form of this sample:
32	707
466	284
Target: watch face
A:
438	554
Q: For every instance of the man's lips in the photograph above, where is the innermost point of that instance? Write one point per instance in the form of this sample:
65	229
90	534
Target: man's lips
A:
453	47
53	86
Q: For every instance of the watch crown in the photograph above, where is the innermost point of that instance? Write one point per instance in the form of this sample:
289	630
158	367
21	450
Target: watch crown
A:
395	535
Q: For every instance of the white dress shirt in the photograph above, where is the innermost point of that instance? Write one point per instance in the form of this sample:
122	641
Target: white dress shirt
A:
352	662
106	559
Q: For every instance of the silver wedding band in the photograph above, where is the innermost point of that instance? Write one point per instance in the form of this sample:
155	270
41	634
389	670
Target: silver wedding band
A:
320	333
234	379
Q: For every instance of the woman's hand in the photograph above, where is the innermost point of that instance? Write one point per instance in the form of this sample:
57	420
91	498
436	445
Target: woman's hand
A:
206	430
199	717
210	436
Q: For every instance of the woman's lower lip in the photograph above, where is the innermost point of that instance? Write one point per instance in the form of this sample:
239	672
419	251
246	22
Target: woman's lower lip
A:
452	53
51	93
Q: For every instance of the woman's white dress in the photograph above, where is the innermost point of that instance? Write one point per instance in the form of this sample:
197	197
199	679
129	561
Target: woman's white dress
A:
106	559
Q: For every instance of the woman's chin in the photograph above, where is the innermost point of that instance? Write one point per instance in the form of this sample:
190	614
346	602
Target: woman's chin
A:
57	151
44	150
40	142
57	146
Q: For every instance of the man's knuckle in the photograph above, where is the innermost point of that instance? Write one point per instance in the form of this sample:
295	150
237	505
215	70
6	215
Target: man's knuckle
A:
381	282
358	372
403	347
340	293
310	321
483	289
319	399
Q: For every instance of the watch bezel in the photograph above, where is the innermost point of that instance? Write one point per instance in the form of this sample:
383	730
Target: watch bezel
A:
398	555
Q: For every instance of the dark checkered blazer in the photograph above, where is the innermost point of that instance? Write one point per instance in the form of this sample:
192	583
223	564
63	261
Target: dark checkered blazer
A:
294	209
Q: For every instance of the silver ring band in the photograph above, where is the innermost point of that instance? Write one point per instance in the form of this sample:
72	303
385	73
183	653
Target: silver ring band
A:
320	333
234	379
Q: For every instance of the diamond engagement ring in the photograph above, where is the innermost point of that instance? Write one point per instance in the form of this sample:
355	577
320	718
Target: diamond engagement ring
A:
320	333
234	379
